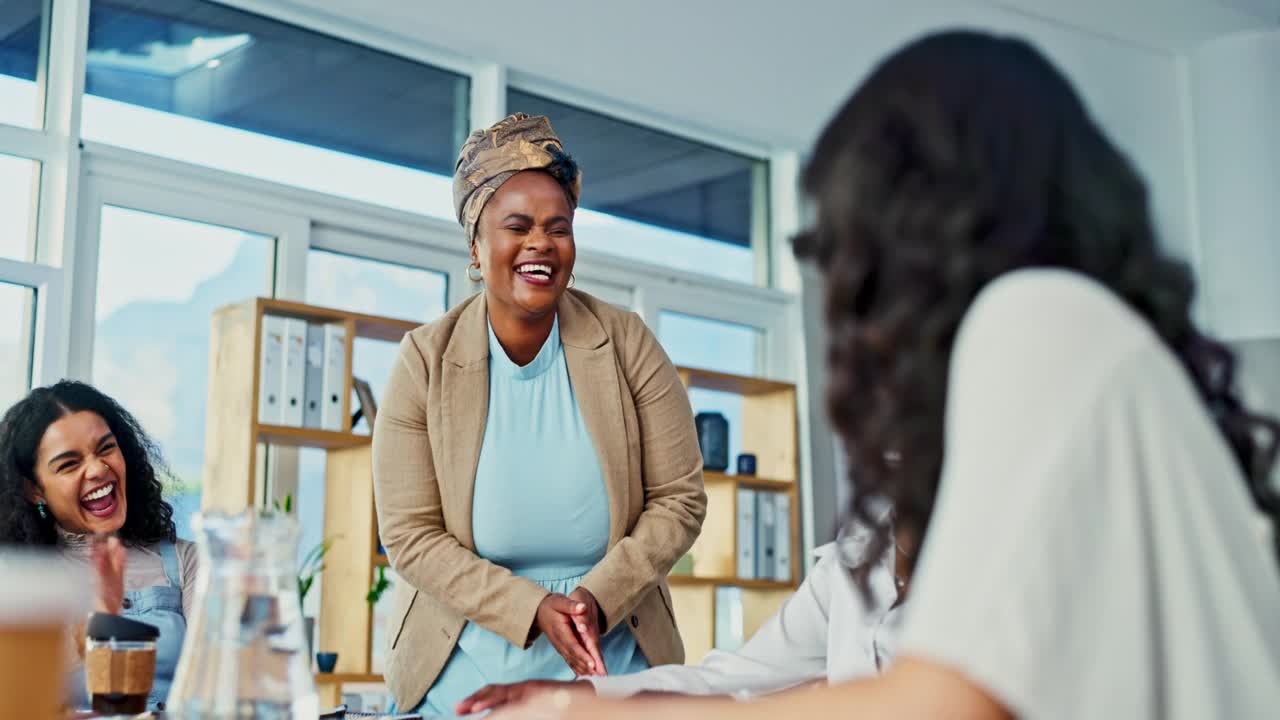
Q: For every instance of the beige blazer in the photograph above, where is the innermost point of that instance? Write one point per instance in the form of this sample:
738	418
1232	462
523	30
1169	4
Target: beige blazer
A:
426	444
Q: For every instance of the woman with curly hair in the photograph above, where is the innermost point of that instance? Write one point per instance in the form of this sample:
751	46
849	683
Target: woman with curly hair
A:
1015	370
78	473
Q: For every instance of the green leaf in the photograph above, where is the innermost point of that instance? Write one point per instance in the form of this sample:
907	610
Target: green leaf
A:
287	507
380	586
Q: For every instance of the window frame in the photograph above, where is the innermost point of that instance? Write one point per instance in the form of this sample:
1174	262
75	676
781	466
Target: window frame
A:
156	195
42	328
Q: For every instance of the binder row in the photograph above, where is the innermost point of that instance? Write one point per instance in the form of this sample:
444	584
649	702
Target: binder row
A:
302	373
764	535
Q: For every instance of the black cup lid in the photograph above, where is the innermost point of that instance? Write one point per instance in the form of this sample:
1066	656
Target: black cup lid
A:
113	627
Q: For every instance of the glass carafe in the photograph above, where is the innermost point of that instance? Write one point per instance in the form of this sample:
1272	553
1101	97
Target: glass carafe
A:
244	656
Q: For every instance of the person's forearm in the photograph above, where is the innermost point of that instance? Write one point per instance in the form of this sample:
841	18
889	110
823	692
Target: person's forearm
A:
809	701
674	680
912	689
737	680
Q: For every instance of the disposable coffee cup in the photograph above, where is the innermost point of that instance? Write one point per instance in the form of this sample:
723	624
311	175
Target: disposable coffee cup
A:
119	664
40	599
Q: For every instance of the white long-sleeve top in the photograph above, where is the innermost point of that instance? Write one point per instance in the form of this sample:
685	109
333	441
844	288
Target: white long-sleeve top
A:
822	632
1092	551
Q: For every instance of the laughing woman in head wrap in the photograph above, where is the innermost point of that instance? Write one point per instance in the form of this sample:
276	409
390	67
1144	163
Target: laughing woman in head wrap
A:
536	467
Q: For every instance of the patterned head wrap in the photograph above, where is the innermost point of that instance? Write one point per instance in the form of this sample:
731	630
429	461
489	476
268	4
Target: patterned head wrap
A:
490	157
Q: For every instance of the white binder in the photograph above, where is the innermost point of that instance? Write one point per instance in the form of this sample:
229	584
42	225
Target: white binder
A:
335	376
269	373
293	372
746	534
313	382
782	535
729	635
765	530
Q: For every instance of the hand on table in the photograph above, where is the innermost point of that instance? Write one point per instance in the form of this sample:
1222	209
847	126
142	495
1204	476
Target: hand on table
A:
558	702
495	696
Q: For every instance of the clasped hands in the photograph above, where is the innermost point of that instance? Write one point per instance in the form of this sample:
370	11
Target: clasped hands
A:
572	623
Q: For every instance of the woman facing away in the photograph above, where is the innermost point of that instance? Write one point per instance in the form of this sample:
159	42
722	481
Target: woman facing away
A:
1083	480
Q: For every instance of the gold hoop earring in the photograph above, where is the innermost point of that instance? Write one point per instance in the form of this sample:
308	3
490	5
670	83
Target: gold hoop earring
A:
571	281
473	278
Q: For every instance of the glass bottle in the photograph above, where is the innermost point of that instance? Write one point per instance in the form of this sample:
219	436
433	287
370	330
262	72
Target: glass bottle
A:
244	656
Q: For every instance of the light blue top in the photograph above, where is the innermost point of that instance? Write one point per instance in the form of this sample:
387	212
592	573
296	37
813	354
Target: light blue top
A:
539	508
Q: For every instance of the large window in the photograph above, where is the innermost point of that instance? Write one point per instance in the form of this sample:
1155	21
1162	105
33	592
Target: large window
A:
215	86
21	35
652	196
359	284
159	280
16	323
19	183
713	345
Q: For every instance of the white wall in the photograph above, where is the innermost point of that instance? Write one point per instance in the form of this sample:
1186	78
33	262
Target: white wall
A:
1133	91
1235	91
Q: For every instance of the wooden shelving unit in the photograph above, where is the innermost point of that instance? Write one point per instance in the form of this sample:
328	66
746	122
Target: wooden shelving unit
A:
701	581
309	437
751	481
769	431
234	437
347	678
233	476
329	686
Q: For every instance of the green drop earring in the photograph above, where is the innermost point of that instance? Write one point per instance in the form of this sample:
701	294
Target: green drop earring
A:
44	514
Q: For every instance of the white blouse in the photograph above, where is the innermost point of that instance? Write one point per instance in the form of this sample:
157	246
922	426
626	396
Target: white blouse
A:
822	632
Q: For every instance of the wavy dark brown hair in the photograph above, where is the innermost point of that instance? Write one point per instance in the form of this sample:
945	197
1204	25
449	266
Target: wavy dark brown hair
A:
965	156
149	519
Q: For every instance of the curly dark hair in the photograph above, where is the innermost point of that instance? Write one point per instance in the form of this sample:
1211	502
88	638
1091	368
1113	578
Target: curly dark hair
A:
965	156
150	518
